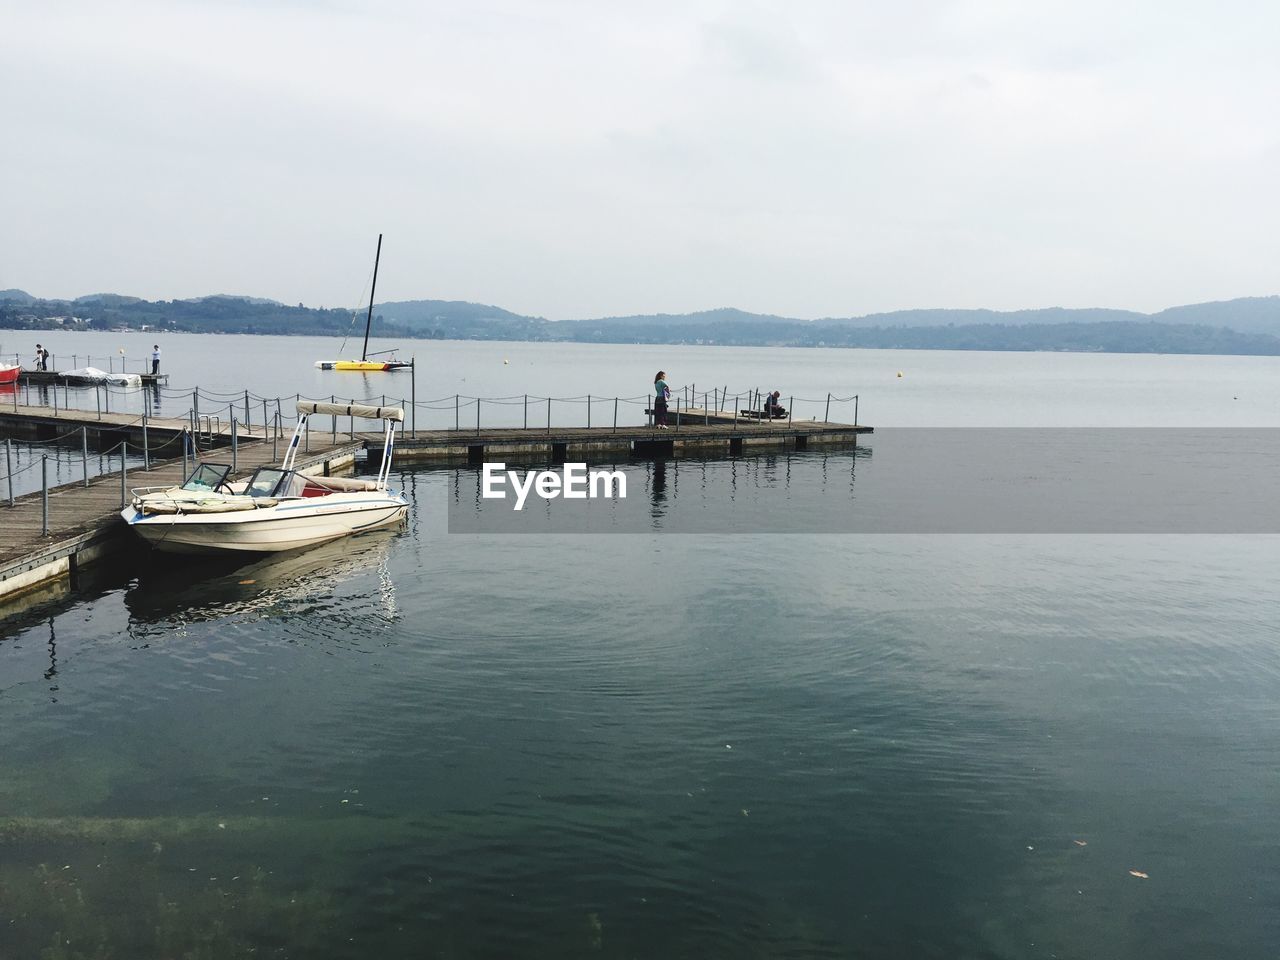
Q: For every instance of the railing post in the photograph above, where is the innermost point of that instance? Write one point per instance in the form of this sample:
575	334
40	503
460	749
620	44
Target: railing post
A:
413	397
826	413
247	422
477	416
84	453
526	411
855	409
55	399
791	409
124	471
615	414
333	421
235	446
735	413
8	466
146	449
548	414
275	434
588	411
44	496
186	470
678	413
455	411
97	395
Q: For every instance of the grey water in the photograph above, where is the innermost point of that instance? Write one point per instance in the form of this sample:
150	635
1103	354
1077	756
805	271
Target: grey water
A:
426	743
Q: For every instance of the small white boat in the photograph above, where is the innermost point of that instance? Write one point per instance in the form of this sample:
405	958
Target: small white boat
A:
94	375
277	508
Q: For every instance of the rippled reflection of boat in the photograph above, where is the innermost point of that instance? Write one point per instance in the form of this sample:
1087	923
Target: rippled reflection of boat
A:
211	588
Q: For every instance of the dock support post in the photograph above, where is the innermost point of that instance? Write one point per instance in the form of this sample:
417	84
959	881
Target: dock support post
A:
8	465
84	453
44	496
124	471
826	414
234	443
146	449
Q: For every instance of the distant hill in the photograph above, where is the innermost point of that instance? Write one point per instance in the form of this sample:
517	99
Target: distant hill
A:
108	299
1253	314
1249	325
256	301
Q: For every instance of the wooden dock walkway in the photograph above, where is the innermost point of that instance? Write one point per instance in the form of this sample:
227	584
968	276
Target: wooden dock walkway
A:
84	522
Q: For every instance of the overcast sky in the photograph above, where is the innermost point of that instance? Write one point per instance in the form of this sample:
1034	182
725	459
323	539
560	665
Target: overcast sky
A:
573	159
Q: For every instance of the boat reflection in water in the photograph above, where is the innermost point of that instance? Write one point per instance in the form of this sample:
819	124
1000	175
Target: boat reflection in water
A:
212	588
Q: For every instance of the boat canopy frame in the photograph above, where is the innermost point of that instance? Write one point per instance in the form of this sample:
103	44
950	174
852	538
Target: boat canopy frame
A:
390	415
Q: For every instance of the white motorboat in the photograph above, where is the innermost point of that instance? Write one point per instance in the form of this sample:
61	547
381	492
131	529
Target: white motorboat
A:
277	508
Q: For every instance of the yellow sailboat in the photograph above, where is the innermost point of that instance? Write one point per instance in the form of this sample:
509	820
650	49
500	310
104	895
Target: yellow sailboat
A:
364	364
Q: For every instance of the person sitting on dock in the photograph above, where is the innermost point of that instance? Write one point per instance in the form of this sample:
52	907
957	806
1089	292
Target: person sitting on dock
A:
155	359
773	409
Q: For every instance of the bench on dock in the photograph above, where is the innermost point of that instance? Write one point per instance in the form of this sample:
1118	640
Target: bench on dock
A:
695	412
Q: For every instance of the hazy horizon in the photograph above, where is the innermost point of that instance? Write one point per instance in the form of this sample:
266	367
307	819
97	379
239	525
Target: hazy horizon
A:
571	161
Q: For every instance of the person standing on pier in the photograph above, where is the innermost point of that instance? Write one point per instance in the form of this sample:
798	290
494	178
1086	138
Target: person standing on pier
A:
662	393
155	358
42	358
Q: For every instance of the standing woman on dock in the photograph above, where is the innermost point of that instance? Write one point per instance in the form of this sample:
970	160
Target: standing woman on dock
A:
661	394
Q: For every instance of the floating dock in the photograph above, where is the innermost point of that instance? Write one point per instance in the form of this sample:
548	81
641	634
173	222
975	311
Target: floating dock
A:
697	433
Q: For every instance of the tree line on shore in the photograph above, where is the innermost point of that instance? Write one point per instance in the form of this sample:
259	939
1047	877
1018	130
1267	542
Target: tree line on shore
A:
1178	330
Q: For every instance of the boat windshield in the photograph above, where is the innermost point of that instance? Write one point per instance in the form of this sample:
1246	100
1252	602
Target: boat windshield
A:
207	476
270	482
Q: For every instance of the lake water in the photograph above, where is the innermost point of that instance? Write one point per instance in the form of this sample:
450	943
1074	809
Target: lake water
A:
424	744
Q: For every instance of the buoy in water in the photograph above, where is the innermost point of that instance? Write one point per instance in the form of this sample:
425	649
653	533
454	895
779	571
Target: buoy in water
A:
505	362
899	374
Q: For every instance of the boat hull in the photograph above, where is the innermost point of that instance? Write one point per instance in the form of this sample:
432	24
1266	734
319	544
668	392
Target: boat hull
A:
289	526
9	373
362	366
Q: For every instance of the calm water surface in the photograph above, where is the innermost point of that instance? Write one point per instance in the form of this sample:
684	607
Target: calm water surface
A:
431	745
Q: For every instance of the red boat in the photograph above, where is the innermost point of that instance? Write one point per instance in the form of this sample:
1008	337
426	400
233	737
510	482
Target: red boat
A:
9	372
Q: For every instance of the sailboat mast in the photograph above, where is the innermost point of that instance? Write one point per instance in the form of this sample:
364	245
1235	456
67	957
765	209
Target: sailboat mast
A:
364	353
